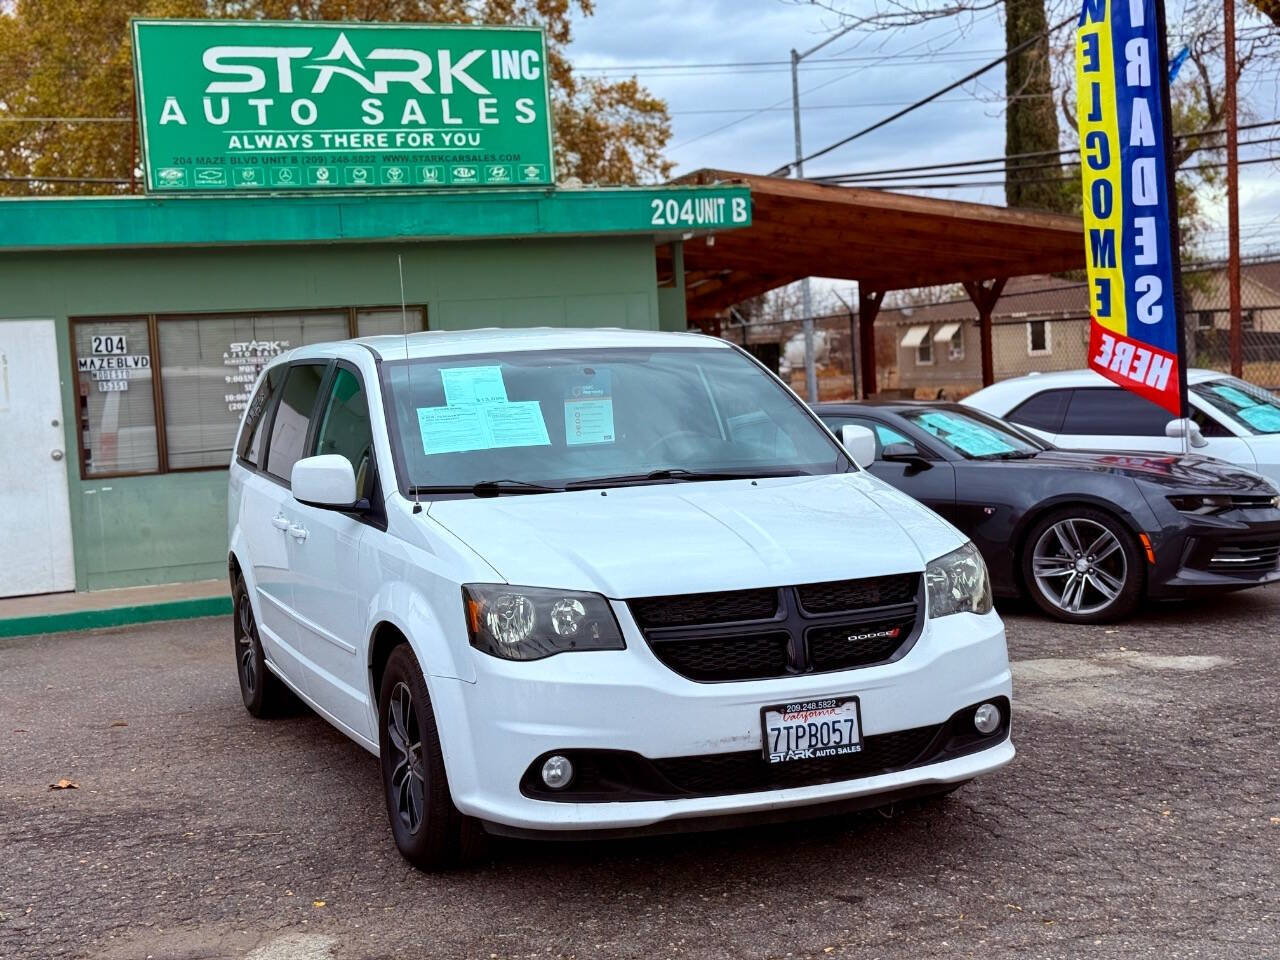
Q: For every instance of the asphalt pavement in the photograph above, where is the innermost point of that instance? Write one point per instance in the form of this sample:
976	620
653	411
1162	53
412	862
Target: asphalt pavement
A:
1141	818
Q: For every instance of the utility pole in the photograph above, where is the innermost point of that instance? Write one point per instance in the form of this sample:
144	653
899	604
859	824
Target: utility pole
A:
1233	194
806	293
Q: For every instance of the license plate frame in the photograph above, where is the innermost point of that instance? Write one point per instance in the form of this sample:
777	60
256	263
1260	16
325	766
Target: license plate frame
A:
823	709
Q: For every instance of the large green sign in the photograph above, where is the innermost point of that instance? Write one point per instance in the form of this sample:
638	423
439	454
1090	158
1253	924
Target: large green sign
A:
288	106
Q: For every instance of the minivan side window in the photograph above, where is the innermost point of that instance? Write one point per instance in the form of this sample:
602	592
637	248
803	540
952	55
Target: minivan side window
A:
289	429
344	427
1044	411
256	418
1112	412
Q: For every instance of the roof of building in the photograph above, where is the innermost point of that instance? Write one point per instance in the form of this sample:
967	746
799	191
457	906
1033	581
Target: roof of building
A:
59	223
885	241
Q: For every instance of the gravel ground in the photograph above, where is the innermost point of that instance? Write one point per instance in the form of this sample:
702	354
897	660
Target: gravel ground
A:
1141	818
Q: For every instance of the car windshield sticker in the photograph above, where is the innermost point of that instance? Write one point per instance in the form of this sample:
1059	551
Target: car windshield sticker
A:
588	408
463	385
486	426
1261	416
971	439
1237	397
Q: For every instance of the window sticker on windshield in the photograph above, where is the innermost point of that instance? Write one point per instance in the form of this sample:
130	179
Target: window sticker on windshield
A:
477	426
969	438
1232	395
1261	416
588	408
464	385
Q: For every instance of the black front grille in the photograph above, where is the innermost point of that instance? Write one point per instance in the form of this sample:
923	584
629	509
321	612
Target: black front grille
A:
731	658
759	634
857	594
843	648
704	608
1246	557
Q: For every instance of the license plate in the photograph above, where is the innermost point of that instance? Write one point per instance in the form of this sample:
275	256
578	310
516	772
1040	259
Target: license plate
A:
810	729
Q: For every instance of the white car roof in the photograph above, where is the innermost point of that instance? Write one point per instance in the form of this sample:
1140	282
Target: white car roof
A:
1000	398
446	343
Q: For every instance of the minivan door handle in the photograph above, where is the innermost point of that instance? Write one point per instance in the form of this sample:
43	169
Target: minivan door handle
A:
280	522
298	532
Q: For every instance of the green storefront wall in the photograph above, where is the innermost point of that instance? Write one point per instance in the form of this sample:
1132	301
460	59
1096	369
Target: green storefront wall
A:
172	527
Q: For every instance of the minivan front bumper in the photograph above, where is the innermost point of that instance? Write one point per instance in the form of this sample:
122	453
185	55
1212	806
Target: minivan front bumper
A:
628	702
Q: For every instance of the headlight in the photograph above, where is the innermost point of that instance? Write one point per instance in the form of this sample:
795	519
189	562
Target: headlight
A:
1201	504
958	583
529	623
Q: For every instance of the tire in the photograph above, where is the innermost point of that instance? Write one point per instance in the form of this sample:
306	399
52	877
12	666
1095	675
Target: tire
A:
1083	565
263	693
429	831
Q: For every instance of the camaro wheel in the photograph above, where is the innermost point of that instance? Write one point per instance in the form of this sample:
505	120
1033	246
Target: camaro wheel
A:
1083	566
263	693
429	831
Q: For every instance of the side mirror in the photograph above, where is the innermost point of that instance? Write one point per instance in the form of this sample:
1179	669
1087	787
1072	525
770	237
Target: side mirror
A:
326	481
1184	427
860	442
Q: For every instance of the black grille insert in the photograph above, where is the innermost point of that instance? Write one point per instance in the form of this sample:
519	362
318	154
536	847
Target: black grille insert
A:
1247	557
763	633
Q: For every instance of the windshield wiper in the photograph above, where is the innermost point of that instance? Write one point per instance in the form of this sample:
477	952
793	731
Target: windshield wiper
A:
1010	455
674	474
488	488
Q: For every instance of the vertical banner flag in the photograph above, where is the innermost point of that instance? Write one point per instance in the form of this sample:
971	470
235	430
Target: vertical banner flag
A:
1135	336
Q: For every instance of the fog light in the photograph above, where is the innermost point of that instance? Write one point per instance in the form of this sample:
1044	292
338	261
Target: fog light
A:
986	719
558	771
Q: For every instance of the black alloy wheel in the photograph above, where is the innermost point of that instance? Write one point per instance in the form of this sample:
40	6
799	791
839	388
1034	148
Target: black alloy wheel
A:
429	831
261	690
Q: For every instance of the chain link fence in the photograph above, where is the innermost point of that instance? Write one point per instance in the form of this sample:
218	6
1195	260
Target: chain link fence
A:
933	349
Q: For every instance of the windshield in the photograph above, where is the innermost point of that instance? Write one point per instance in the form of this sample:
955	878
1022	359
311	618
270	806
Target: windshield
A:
1245	404
974	436
544	419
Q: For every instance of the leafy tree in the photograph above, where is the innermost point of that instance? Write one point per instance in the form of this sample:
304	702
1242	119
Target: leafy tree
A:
71	58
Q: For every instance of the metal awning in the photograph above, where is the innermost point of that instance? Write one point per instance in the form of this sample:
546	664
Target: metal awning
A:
915	336
945	332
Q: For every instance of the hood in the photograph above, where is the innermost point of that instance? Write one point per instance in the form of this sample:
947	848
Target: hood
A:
670	538
1184	471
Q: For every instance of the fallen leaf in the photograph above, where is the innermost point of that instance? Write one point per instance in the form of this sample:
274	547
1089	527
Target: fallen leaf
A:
1275	819
64	784
317	903
119	723
19	730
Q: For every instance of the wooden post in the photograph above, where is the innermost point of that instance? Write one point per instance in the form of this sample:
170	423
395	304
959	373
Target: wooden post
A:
984	294
868	310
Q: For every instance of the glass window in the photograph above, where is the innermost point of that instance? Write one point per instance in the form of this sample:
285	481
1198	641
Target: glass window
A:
376	321
208	365
289	429
955	350
1038	337
255	421
1044	411
557	417
1113	412
344	427
114	396
1247	405
924	352
974	435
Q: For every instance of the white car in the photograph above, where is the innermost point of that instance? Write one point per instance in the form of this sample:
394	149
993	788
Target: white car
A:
588	583
1231	419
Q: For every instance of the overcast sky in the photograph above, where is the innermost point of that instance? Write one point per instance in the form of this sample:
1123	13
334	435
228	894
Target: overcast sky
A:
866	78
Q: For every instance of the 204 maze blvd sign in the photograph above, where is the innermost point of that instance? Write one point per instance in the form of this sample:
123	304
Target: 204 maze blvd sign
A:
252	106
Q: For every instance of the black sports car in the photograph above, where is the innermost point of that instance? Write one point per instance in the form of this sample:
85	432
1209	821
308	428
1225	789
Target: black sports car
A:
1084	534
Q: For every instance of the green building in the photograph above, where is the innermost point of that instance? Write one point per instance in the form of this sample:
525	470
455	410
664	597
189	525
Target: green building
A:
132	329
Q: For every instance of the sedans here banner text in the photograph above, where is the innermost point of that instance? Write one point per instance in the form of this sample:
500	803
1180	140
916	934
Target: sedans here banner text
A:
1134	337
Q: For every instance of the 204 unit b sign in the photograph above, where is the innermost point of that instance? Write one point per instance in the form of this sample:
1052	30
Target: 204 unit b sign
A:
240	105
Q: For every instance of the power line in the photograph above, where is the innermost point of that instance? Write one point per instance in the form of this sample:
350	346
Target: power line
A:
785	64
931	97
1035	154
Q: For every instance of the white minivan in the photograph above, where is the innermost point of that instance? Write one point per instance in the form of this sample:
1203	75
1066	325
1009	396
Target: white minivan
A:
596	582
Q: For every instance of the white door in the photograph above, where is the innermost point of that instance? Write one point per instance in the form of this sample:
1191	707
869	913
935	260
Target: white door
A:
35	515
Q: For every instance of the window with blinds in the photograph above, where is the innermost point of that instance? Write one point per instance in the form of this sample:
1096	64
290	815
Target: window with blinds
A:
207	365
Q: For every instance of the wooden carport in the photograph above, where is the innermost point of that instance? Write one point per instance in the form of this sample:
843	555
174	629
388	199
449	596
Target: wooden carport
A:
884	241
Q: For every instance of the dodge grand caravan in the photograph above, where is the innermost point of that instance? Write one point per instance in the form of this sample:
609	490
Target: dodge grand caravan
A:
591	583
